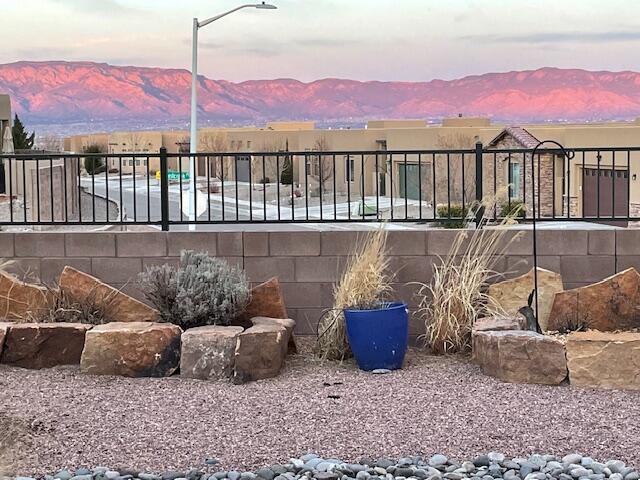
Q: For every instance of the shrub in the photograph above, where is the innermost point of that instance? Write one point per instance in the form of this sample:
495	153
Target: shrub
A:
94	164
364	285
515	209
265	180
202	290
455	214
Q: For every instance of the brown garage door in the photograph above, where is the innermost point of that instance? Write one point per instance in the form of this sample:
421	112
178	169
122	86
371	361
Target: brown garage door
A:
606	188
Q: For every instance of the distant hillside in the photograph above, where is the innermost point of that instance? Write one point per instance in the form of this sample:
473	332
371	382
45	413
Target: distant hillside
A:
64	92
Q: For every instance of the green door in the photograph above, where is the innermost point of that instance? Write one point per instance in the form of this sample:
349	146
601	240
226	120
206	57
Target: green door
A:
409	181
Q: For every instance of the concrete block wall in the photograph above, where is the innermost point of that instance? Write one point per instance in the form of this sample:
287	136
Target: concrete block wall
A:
309	263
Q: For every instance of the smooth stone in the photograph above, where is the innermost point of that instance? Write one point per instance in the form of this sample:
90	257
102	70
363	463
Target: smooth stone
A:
355	467
100	470
616	476
586	461
536	476
325	466
420	474
65	475
281	477
537	460
437	460
278	469
633	475
362	475
212	461
82	472
326	476
248	475
453	476
111	474
482	461
496	457
572	459
309	456
380	470
526	468
581	472
266	473
233	475
220	475
149	476
313	463
403	472
384	463
297	463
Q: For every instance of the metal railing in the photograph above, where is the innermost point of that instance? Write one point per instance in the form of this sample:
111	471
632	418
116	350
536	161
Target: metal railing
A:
314	187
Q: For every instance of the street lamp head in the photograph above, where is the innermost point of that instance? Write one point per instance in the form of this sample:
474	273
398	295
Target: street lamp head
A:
266	6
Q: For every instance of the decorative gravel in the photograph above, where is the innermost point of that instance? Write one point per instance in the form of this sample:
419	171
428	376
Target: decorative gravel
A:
434	405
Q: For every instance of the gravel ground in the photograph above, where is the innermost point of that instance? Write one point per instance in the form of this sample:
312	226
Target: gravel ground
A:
434	405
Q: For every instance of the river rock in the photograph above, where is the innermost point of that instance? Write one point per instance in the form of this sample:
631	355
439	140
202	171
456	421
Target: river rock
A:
209	352
604	359
609	305
132	349
21	300
118	307
259	353
44	345
520	356
512	294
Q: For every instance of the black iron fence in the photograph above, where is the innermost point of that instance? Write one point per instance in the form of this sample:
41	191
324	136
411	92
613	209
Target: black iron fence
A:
311	186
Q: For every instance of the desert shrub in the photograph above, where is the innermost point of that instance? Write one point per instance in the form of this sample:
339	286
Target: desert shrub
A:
201	290
265	180
455	215
456	296
363	285
69	309
515	209
94	164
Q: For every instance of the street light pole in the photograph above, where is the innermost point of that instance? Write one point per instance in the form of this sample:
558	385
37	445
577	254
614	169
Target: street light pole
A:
194	102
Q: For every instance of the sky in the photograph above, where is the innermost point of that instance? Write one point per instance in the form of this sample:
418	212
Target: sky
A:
410	40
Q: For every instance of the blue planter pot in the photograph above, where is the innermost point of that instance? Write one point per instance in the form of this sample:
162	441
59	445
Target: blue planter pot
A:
378	338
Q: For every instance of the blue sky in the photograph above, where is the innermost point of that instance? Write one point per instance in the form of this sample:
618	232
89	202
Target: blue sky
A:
310	39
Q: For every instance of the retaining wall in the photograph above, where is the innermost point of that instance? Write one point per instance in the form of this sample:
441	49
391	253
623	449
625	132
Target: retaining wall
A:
309	262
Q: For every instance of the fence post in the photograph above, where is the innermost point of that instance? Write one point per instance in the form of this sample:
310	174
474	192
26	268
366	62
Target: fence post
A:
164	190
479	183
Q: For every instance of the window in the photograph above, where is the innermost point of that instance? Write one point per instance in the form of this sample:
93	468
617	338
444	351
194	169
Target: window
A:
349	169
248	144
137	162
514	180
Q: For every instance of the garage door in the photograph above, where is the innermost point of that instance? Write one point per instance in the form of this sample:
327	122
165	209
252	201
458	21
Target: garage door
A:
607	188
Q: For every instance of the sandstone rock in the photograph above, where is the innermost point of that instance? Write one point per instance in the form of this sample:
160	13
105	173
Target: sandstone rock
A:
499	324
604	359
287	323
209	352
266	301
132	349
520	356
4	328
512	294
20	300
609	305
44	345
259	353
118	306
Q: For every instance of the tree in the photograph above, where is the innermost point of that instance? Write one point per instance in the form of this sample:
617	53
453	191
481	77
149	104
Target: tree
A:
49	143
322	167
21	139
219	167
94	164
449	187
286	176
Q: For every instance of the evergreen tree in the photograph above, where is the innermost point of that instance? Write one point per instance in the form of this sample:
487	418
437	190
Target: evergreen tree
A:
21	138
286	175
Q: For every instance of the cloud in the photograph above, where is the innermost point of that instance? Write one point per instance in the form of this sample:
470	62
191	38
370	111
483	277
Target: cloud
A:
556	37
94	7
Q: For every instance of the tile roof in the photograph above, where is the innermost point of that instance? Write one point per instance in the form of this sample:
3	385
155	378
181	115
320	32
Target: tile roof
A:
520	135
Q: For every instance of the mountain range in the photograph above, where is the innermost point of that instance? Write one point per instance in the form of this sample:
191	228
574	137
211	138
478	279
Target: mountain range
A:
58	92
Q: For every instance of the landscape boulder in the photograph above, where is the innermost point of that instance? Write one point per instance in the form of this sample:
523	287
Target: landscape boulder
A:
209	352
604	359
287	323
117	306
519	356
609	305
4	328
132	349
513	294
43	345
21	300
266	301
499	323
259	353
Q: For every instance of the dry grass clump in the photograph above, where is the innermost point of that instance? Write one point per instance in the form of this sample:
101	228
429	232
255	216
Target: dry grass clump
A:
65	308
364	285
456	296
